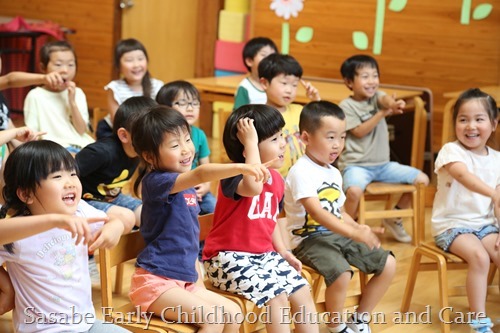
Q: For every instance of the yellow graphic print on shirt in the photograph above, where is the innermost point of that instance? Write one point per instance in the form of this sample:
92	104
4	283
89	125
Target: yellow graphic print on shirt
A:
110	191
328	195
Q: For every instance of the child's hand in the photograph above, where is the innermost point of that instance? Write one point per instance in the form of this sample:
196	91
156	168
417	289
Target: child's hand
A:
311	92
292	260
78	226
25	134
108	236
247	134
54	80
71	86
365	235
259	171
201	190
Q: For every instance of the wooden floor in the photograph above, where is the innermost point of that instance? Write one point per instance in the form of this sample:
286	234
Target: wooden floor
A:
424	303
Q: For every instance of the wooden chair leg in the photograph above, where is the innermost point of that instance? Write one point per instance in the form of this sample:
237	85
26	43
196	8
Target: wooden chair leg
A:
119	279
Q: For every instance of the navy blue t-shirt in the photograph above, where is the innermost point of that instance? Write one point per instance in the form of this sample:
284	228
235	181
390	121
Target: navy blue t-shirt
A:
169	225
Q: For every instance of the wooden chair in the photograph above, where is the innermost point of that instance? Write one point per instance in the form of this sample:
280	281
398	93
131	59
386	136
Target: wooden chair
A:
387	192
223	116
97	115
442	262
318	287
206	222
128	248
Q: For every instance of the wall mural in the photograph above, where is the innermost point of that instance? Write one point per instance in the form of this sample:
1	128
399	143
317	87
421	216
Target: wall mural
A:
360	40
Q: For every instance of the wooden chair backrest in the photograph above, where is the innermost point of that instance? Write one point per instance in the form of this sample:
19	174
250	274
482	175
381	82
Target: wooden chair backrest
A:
129	247
97	115
419	134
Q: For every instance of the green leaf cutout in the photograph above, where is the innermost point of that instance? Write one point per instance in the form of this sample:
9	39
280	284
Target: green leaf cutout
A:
482	11
360	40
304	34
397	5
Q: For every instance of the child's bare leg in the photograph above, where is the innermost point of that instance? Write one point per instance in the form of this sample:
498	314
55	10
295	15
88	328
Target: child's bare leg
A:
470	248
230	310
302	302
493	251
177	304
276	323
335	296
377	286
405	200
137	213
353	194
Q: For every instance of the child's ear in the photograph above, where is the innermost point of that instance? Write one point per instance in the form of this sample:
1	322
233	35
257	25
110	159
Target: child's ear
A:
42	67
265	84
25	196
148	158
123	135
304	137
348	83
249	62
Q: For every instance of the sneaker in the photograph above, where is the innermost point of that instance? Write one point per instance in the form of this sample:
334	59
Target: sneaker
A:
483	325
358	325
395	226
346	329
95	278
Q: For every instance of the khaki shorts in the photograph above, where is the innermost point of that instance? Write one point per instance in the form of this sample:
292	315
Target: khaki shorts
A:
145	287
331	255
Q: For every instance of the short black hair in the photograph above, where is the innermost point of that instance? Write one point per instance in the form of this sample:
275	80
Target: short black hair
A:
167	94
254	45
313	112
276	64
130	110
267	121
352	64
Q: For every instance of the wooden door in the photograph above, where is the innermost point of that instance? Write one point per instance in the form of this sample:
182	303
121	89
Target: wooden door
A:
167	28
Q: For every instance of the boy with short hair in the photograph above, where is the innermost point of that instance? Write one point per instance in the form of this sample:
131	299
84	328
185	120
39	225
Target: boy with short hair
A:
366	156
250	90
108	164
322	235
280	75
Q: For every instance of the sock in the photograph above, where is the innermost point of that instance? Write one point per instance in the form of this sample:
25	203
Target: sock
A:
337	329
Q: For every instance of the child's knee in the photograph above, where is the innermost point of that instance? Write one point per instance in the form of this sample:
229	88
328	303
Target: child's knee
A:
354	192
422	178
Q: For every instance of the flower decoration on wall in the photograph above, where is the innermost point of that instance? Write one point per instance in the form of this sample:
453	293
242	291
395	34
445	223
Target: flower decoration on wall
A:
287	9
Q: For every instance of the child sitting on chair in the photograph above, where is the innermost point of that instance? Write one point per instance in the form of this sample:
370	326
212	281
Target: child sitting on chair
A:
322	235
366	156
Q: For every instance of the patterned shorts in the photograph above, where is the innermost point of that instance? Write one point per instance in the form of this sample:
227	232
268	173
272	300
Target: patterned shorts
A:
257	277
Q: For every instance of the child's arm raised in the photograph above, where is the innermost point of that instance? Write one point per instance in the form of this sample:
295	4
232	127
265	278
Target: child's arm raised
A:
6	292
23	134
357	233
247	134
76	117
23	79
16	228
391	104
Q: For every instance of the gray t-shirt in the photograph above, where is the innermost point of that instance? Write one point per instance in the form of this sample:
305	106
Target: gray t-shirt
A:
373	148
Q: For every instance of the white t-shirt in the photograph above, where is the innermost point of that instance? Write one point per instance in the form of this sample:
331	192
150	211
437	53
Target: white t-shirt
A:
307	179
454	205
49	111
51	280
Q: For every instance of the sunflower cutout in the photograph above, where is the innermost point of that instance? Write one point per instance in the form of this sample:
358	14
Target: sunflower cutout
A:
287	9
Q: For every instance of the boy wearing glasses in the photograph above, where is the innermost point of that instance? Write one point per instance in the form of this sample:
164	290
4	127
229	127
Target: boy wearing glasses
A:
185	98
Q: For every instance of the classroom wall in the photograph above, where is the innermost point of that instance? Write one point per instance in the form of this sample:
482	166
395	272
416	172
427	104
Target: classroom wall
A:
93	21
443	45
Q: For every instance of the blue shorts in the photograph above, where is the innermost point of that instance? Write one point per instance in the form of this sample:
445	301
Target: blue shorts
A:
390	172
444	239
121	200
